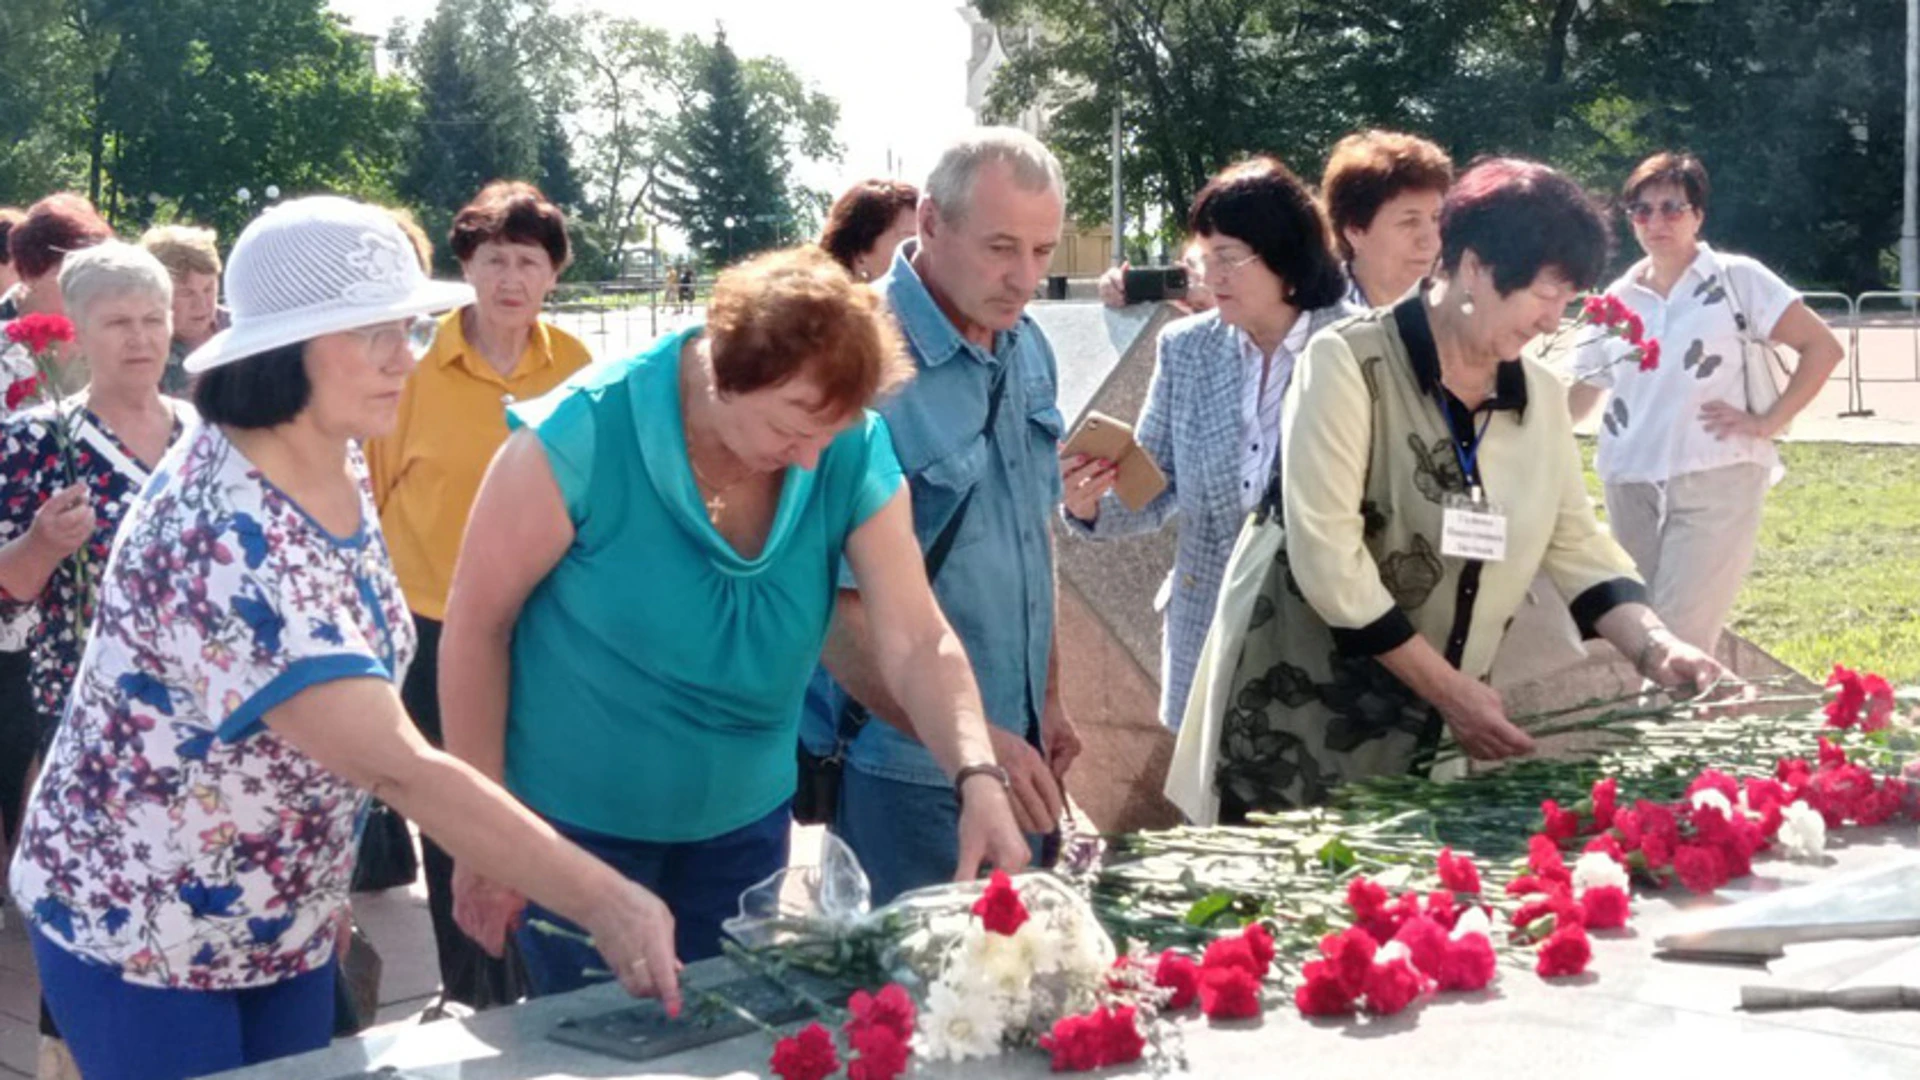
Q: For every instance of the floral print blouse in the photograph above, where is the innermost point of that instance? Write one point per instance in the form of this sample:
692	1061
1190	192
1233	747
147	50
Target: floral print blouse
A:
171	834
31	471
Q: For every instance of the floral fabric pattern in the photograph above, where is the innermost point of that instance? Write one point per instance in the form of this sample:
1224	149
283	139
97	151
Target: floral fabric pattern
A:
172	834
32	471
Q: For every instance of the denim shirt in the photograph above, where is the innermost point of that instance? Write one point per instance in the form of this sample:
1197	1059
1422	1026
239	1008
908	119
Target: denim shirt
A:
996	586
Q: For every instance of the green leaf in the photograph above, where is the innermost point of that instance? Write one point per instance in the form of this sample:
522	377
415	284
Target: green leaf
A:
1335	854
1209	908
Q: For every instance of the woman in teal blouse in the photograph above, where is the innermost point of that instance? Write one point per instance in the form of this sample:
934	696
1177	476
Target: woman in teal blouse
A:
646	584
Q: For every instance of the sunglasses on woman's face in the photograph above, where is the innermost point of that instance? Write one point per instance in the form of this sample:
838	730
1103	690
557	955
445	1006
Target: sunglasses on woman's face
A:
1668	209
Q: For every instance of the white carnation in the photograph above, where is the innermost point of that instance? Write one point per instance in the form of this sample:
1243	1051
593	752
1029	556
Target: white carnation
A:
1718	800
1473	921
1394	950
1803	832
1598	870
960	1023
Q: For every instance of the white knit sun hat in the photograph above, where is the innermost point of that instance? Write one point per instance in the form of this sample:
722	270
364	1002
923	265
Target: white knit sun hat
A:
317	266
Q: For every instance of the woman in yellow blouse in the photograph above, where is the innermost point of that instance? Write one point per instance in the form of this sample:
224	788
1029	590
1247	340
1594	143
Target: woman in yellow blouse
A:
512	246
1427	475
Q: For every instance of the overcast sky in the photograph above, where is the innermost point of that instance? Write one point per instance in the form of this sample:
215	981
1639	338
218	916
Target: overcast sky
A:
898	68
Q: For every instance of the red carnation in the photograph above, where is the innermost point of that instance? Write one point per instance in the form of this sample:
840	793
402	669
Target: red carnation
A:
1234	952
1627	824
1700	866
21	390
1386	923
1595	309
1832	754
892	1008
1120	1040
1179	974
1074	1043
1351	953
1605	907
1792	772
1715	780
1763	793
1657	820
1879	703
1259	946
1095	1040
1458	872
1440	908
1392	986
1844	710
1544	859
808	1055
1657	851
1469	964
1650	354
1000	908
1229	993
1606	794
1321	992
1606	844
1559	824
1366	898
1635	329
883	1053
1426	940
1527	884
1558	903
38	332
1880	807
1567	952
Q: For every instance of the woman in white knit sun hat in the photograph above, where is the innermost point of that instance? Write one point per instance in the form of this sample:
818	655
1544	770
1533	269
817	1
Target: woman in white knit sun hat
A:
187	849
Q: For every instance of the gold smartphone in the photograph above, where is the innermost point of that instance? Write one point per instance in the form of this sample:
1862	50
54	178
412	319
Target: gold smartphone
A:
1138	480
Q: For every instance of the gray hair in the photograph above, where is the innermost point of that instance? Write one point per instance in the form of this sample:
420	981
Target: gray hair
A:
950	187
112	268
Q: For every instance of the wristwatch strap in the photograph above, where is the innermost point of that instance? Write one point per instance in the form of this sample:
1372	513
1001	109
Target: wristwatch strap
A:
967	772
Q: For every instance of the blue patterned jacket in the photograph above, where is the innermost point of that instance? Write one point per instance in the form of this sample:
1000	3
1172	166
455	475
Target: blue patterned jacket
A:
1192	425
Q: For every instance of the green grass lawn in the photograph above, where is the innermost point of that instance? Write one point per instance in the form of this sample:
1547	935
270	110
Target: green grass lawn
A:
1837	576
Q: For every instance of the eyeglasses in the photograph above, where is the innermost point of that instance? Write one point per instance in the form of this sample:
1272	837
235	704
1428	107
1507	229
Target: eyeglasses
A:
387	337
1207	264
1668	209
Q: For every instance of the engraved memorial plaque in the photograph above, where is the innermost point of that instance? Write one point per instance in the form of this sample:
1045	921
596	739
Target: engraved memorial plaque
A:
643	1031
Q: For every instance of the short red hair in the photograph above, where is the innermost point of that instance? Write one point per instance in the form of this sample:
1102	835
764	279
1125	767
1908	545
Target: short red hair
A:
53	227
796	311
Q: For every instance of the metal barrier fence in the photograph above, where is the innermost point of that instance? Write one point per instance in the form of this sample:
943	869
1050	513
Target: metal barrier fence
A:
1885	312
1842	312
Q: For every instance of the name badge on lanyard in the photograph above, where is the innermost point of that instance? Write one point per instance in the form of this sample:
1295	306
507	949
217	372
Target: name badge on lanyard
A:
1471	525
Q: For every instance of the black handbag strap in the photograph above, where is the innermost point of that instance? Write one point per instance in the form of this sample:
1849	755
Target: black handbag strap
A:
853	715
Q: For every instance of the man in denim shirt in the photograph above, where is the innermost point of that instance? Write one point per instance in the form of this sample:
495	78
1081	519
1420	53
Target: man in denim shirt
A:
988	226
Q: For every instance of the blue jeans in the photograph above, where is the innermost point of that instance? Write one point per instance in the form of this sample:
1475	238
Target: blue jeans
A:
117	1030
699	881
905	835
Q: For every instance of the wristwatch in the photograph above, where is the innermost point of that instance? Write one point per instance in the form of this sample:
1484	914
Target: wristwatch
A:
985	769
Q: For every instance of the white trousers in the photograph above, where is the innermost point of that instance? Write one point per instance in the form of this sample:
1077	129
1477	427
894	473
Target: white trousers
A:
1693	539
